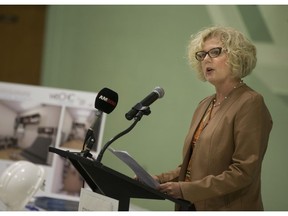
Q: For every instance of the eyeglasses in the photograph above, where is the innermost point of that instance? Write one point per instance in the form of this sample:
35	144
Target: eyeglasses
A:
213	53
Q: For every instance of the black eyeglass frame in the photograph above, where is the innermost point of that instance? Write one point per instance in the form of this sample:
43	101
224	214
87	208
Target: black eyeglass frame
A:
209	52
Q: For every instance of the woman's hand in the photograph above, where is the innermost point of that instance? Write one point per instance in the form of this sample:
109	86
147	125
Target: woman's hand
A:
155	178
172	189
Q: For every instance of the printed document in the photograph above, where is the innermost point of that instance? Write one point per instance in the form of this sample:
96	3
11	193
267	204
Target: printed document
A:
141	173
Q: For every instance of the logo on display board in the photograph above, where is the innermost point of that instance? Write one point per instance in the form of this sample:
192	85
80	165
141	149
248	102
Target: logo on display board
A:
62	96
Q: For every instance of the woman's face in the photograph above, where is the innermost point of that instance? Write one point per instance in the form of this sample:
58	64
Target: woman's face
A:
216	70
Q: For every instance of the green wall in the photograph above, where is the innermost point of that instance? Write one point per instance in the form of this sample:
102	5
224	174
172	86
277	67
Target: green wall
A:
133	49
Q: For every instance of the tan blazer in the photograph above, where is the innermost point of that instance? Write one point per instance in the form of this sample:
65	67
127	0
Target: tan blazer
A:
227	158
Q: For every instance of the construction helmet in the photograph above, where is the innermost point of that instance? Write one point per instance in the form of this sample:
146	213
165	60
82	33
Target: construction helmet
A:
18	183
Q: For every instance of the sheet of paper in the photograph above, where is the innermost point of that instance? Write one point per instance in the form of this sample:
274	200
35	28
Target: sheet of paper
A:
140	172
91	201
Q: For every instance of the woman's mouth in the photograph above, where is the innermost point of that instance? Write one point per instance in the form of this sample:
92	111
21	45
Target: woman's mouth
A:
209	70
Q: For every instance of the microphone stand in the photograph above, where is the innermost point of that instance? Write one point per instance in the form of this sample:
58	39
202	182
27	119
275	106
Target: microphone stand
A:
142	110
90	138
88	141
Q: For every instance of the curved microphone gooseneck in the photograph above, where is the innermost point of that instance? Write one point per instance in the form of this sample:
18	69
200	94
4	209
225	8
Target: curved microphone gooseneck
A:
137	118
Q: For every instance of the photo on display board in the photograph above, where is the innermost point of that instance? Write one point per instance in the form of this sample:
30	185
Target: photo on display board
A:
27	130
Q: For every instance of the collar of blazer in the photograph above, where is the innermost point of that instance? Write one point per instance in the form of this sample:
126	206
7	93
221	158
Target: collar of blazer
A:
204	104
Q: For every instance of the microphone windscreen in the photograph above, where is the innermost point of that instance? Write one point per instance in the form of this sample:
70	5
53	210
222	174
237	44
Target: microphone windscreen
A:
106	100
160	91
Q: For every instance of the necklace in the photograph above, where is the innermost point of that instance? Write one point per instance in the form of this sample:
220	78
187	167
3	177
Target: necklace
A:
226	97
219	103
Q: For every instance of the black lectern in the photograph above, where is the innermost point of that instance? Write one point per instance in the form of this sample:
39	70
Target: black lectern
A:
111	183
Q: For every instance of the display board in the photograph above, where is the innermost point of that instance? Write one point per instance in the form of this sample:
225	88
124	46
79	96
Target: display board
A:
34	118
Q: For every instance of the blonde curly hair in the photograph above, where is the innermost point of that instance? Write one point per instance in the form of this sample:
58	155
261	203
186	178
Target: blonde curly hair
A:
241	52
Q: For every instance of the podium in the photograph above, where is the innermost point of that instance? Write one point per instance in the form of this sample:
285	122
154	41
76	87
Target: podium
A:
108	182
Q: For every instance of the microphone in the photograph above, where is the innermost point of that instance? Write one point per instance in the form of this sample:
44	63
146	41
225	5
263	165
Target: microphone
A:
106	101
158	92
